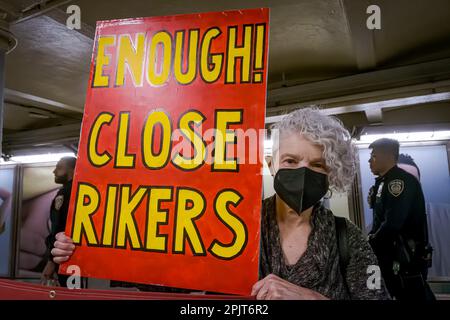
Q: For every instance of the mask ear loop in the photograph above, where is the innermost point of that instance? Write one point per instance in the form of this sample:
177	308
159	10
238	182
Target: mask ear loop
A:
326	196
302	184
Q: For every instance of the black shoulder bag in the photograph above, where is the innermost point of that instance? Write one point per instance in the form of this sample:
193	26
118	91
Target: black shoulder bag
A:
342	243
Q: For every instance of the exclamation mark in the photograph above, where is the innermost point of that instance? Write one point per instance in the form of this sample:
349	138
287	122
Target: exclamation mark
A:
259	53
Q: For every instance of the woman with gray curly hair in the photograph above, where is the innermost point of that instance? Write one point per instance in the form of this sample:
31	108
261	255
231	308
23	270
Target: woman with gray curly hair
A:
311	154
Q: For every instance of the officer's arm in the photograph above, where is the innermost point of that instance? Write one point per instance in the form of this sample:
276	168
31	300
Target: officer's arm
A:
396	209
375	224
370	201
61	224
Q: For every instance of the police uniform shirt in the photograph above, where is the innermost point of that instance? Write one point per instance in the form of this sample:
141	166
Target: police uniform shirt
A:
399	209
58	214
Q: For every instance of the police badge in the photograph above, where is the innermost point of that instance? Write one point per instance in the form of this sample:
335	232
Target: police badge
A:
380	189
59	202
369	196
396	187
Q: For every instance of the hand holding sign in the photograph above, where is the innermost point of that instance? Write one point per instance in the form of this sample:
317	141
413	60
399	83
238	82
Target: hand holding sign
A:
63	248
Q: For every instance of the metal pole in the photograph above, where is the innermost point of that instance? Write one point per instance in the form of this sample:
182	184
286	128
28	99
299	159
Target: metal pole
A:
2	86
7	43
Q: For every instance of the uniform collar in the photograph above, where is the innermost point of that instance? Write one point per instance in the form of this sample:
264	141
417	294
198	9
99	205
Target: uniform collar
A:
68	184
387	174
391	171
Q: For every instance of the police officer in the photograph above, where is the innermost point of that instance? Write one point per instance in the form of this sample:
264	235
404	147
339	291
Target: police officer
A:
58	215
399	232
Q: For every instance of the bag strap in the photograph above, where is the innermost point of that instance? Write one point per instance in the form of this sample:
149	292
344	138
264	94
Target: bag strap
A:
342	242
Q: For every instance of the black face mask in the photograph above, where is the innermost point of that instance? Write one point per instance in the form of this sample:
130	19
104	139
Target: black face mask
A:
300	188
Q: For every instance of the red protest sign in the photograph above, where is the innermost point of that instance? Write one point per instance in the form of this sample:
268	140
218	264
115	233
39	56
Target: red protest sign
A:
167	188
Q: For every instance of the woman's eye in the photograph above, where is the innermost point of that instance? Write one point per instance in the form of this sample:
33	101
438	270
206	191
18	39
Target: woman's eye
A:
319	166
289	161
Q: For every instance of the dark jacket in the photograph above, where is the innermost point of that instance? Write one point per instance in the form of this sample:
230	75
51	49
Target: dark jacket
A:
58	214
398	211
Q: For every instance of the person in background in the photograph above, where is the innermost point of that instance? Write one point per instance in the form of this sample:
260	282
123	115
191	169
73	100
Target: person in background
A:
63	172
399	232
406	162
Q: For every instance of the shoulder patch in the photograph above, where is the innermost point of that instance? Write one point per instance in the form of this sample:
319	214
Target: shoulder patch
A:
59	201
396	187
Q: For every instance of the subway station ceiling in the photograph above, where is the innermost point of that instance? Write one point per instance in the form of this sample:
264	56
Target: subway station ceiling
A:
320	52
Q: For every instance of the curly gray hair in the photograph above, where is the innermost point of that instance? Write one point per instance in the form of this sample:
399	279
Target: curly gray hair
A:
328	132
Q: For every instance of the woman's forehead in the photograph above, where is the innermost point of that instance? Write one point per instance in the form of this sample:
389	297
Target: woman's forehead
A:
296	143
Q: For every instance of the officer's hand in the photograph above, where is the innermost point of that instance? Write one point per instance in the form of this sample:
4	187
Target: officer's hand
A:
48	273
63	248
